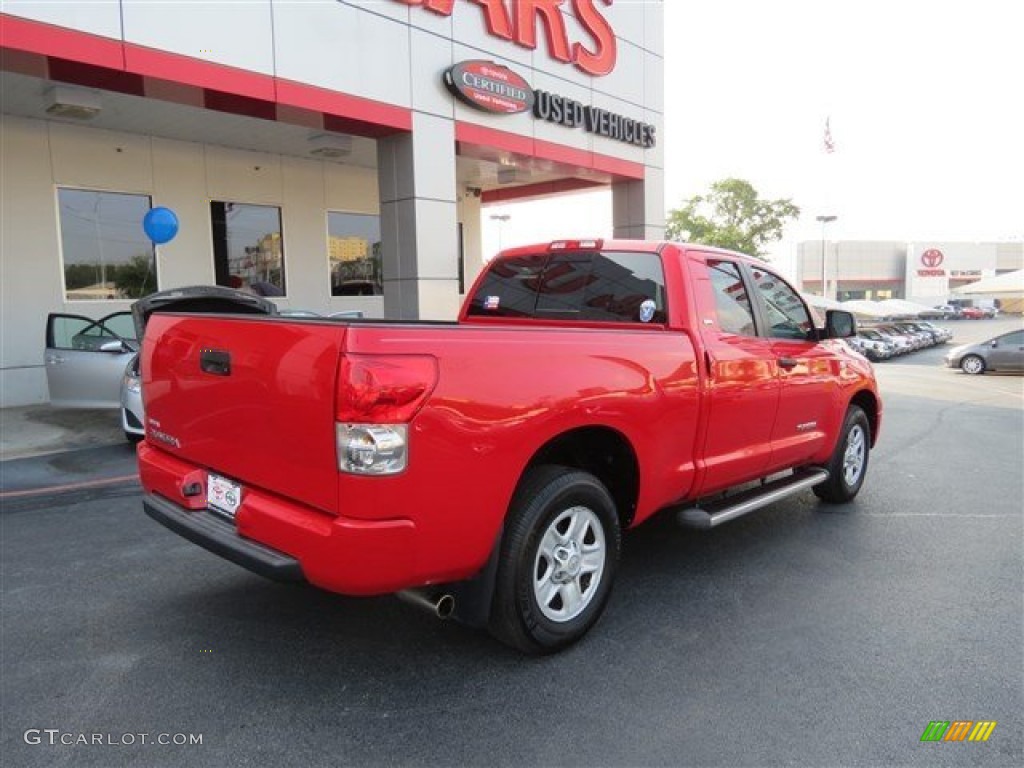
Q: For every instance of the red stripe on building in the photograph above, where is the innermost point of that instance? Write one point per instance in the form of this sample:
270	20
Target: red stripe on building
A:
139	70
21	34
541	189
478	135
198	73
342	105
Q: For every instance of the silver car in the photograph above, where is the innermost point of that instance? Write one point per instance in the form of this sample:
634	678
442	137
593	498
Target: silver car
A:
1003	353
86	359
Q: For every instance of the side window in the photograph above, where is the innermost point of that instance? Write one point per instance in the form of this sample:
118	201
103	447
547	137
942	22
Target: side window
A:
735	315
787	315
72	332
1013	338
510	288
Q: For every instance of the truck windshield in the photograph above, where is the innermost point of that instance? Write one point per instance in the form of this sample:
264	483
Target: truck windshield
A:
584	286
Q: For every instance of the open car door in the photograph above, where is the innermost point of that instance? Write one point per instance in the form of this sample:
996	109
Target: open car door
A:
85	358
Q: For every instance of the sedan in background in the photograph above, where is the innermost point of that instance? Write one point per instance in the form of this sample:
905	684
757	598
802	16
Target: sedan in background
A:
1003	353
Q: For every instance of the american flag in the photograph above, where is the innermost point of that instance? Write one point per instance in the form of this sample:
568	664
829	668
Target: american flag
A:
830	145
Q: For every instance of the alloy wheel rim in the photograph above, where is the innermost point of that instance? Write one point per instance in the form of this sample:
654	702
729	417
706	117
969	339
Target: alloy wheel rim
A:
569	565
854	456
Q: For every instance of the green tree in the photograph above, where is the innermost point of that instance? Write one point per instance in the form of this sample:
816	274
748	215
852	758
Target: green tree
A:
732	216
136	278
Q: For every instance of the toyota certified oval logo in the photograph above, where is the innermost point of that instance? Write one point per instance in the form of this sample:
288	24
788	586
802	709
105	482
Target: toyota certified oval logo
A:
490	87
932	257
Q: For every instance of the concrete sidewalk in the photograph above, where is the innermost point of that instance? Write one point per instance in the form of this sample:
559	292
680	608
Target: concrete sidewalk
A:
46	451
38	430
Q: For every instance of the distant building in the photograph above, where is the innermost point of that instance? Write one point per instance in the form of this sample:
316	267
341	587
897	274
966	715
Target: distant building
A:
347	249
923	272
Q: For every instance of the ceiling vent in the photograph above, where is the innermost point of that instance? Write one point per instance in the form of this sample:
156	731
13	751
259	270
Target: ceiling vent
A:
330	146
73	103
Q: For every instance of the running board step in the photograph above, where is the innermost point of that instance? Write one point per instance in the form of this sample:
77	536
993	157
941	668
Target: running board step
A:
718	512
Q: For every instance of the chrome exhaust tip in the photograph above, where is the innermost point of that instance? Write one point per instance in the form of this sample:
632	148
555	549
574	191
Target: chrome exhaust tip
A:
441	605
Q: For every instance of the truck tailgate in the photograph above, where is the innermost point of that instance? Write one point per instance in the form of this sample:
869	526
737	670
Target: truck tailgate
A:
249	399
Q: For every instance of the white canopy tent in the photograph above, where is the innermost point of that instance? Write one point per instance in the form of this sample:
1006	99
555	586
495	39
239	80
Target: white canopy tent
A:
1009	285
864	308
904	308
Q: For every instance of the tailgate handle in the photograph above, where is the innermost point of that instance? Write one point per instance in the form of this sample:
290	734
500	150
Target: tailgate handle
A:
215	361
787	363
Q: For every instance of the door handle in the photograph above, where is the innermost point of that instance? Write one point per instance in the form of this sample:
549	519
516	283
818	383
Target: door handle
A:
215	361
54	359
788	362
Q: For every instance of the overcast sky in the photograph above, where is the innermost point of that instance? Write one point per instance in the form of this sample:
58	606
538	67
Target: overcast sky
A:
925	99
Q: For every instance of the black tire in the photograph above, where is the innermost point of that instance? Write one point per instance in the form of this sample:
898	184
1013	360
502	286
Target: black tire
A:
548	500
849	463
972	365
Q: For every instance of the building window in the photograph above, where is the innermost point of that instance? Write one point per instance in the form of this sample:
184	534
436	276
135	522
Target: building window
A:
248	251
353	251
105	250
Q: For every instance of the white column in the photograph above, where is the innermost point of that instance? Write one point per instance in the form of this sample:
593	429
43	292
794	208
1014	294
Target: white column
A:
419	236
638	207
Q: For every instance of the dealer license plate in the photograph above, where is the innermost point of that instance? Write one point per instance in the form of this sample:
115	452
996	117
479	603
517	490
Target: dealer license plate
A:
223	495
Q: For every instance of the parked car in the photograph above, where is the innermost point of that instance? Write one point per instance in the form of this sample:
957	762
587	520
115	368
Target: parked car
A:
885	345
942	335
948	312
874	349
1002	353
972	313
486	468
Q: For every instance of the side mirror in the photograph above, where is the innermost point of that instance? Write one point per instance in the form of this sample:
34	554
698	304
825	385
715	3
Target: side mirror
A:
839	324
994	344
114	347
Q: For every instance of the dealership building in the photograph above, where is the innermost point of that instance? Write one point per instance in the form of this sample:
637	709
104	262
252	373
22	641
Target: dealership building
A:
923	272
333	155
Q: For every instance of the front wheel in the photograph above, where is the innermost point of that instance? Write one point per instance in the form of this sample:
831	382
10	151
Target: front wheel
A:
558	560
849	463
972	364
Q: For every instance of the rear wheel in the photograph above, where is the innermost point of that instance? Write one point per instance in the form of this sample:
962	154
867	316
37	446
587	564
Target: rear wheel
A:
849	463
558	560
972	364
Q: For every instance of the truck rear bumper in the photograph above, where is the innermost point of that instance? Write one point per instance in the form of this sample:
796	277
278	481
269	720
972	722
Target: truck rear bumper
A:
281	538
212	532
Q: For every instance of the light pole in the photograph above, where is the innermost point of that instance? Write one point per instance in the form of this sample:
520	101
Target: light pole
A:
501	218
825	219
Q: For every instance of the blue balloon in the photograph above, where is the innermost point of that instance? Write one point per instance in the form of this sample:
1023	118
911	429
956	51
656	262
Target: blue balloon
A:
160	224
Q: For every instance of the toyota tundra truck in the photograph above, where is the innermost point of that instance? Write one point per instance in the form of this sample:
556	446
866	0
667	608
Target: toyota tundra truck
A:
486	468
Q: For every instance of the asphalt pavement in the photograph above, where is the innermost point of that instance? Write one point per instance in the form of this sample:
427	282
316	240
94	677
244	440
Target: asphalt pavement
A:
803	634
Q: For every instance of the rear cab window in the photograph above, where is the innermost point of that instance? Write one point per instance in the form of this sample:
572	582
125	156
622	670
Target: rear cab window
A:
591	286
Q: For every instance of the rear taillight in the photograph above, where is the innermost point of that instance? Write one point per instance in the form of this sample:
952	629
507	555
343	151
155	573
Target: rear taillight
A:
384	389
378	395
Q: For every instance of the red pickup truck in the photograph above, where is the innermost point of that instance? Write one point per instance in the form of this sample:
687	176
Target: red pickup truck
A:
486	468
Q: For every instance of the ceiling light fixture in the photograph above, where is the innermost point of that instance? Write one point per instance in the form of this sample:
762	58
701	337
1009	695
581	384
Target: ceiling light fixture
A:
330	145
74	103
